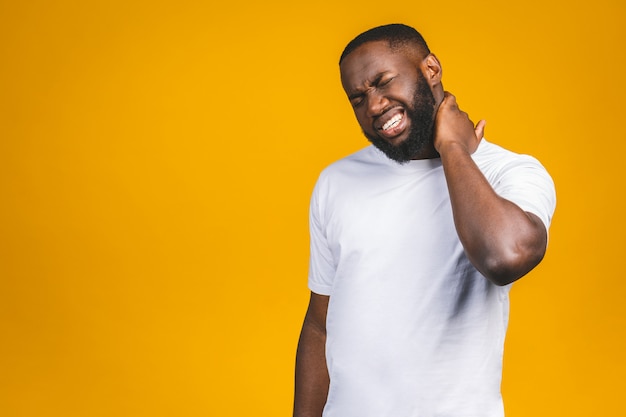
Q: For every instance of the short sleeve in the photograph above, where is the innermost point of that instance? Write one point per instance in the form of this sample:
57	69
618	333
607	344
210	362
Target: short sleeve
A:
526	183
321	261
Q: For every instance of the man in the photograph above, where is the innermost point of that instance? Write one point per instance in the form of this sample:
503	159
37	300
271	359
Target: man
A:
414	242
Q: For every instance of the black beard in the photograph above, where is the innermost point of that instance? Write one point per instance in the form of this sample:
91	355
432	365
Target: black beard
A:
422	120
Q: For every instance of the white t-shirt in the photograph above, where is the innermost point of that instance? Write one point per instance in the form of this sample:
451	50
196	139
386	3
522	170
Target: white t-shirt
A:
413	329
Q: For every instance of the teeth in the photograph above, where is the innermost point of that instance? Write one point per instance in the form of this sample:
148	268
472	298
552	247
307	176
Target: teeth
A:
393	122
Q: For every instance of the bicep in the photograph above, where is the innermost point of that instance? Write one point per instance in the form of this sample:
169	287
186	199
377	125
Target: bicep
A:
527	184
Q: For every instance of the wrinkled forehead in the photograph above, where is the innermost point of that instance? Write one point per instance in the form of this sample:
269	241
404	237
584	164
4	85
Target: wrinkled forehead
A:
373	58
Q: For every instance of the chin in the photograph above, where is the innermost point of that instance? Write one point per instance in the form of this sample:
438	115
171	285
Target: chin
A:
402	149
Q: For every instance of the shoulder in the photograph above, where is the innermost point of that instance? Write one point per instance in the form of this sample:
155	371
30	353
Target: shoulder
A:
348	176
488	152
495	160
519	178
354	165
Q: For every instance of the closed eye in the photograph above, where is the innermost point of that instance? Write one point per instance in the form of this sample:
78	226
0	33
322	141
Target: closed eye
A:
384	82
356	100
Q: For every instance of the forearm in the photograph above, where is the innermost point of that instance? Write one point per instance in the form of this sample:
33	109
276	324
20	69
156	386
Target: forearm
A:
312	378
501	240
311	373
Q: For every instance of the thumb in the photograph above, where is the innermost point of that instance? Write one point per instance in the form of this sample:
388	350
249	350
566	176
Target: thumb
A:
479	130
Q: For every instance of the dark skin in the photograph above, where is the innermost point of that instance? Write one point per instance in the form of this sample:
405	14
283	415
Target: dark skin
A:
501	240
311	373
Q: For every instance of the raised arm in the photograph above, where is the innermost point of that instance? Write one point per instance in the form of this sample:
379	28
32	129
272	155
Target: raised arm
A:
311	373
501	240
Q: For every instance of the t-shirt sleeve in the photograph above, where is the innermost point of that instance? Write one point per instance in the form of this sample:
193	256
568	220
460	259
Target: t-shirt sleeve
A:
526	183
321	262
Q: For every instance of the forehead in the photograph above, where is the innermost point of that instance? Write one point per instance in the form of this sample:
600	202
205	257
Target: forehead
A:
372	59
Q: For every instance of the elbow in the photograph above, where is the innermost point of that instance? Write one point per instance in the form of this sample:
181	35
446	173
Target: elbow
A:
506	254
506	267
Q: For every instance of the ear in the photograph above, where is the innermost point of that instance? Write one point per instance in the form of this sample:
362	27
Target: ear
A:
431	68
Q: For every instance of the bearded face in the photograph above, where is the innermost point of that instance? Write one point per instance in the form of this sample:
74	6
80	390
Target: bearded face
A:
421	114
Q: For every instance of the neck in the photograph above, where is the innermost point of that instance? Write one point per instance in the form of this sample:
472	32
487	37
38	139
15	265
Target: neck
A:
428	152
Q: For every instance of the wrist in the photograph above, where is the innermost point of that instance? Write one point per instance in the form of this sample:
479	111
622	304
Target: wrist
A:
453	147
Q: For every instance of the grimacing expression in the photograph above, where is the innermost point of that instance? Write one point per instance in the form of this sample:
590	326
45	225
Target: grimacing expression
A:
391	99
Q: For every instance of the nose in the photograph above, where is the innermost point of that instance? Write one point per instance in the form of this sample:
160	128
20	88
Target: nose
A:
376	104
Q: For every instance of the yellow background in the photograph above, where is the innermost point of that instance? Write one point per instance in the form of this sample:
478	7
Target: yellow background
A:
156	161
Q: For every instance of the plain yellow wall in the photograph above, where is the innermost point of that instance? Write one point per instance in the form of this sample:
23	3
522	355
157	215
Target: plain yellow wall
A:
156	161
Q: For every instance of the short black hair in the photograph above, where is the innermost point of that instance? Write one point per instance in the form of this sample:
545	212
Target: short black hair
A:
396	34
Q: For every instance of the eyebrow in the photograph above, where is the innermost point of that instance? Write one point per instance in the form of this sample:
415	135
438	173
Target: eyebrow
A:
376	80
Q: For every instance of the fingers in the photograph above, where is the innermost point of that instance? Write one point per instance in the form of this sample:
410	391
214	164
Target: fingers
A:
453	125
479	130
449	99
447	104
